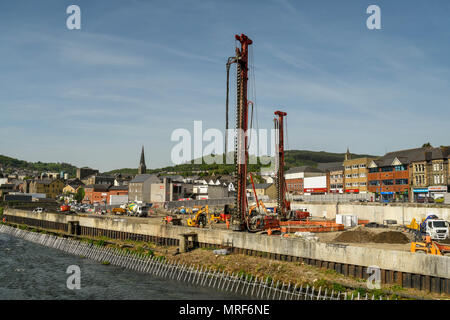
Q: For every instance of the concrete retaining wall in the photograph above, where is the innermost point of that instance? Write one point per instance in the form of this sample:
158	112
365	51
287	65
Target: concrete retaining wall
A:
375	212
435	266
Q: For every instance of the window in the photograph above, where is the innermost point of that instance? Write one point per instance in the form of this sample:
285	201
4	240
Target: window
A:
401	181
373	170
362	175
388	182
348	184
355	166
386	169
348	176
362	165
355	175
374	182
355	184
400	168
362	184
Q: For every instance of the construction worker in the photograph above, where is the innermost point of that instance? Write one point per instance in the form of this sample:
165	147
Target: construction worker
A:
228	223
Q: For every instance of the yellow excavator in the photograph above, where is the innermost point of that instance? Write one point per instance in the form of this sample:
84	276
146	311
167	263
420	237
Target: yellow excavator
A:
430	247
200	218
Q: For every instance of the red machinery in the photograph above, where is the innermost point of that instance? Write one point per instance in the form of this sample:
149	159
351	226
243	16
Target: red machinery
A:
239	215
284	206
64	208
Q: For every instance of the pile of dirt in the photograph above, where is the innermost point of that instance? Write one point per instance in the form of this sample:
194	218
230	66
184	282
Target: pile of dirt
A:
355	236
361	235
390	237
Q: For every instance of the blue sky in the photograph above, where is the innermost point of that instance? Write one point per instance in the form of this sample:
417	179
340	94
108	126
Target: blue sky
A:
137	70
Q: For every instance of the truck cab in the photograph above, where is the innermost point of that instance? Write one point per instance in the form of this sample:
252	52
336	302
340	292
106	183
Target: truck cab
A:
437	229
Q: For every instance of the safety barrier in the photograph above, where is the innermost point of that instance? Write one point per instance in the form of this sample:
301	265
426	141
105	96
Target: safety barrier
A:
235	283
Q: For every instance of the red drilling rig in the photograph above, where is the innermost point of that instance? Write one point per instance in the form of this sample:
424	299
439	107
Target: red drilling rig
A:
284	206
241	219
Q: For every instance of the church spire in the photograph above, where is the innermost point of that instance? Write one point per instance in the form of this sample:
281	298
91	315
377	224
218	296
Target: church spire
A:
142	167
347	155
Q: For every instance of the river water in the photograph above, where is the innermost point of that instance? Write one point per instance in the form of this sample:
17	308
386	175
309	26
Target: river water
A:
31	271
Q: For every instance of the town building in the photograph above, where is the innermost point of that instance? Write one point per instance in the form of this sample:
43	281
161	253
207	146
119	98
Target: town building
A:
430	173
263	190
294	178
389	175
335	176
139	189
356	174
85	172
98	179
51	188
96	194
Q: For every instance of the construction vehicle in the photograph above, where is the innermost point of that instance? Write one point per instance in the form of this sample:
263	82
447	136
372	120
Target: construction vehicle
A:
431	226
173	220
200	218
64	208
119	211
137	210
430	247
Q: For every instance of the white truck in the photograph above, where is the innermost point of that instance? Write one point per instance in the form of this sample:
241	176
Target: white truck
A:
437	229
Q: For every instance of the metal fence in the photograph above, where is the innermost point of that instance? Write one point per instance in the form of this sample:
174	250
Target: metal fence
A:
237	283
333	197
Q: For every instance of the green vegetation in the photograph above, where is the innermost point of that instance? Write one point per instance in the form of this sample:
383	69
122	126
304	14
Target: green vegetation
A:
9	162
79	196
293	158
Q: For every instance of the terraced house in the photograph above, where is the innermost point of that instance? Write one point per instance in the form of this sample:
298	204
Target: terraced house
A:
389	175
430	174
411	174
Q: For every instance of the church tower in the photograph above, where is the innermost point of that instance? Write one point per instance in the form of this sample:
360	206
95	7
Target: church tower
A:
347	155
142	167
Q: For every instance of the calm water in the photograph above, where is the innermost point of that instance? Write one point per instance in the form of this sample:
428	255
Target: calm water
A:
31	271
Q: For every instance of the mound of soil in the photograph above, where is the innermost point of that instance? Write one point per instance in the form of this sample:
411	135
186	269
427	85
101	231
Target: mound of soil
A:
390	237
355	236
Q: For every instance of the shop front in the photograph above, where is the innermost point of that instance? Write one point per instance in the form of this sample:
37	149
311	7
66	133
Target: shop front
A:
315	190
438	192
387	196
420	194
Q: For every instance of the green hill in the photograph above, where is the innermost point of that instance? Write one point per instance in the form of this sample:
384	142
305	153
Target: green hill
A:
8	164
293	158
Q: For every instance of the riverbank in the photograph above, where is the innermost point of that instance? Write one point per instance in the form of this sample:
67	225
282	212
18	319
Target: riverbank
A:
295	273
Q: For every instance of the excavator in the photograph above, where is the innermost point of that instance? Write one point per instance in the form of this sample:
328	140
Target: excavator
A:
430	247
200	218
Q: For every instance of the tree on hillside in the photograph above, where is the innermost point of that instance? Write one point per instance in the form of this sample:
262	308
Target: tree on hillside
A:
79	196
425	145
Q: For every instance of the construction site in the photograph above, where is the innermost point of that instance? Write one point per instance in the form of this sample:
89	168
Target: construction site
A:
411	252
